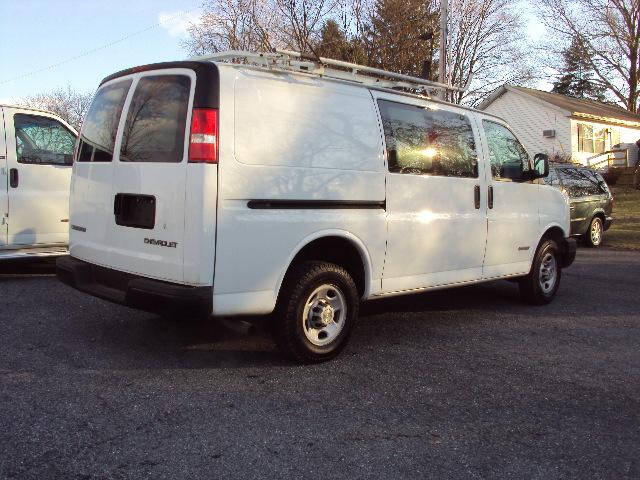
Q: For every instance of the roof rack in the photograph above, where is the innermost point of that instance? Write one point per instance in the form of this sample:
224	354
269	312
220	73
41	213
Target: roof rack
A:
300	62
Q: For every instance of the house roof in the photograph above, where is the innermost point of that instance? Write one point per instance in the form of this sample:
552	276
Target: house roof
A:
575	106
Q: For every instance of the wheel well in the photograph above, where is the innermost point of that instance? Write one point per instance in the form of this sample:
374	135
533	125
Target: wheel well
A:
336	250
555	234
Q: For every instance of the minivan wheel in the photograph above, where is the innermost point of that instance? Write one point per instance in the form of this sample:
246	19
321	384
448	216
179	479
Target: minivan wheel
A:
596	230
539	287
316	312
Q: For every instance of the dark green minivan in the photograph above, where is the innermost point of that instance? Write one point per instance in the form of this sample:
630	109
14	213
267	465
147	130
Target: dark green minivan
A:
590	199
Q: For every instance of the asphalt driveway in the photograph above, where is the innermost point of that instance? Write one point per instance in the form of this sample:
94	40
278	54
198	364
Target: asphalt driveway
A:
465	383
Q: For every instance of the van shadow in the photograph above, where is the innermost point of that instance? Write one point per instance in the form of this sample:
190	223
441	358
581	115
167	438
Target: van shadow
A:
129	339
12	269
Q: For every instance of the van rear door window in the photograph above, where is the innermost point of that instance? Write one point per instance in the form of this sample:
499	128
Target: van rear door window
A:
100	126
156	121
423	141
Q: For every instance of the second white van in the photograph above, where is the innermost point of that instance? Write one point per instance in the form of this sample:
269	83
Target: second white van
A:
275	185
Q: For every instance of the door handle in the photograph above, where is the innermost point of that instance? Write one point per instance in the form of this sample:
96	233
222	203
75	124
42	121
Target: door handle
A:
490	197
13	178
476	196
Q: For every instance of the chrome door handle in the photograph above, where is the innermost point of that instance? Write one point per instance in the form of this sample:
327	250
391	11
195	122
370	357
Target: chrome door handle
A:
490	197
476	196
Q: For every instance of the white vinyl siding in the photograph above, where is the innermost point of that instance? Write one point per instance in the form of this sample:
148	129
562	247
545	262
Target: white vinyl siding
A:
528	119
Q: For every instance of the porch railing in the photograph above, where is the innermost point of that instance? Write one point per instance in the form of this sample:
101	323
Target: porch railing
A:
612	158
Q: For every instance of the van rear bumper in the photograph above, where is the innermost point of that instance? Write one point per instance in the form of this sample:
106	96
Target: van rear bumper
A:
133	290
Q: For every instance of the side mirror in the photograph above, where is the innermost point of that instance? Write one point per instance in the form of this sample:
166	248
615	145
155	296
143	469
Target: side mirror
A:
540	166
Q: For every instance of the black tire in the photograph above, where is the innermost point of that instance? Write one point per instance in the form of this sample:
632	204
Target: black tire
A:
533	289
593	237
289	322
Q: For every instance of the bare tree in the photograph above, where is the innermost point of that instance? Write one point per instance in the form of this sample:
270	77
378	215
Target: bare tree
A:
609	32
261	24
486	42
486	47
231	25
67	103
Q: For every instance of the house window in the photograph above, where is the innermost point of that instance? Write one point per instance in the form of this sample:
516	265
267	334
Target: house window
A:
591	140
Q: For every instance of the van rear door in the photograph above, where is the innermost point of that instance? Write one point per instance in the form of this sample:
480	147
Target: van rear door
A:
129	186
150	176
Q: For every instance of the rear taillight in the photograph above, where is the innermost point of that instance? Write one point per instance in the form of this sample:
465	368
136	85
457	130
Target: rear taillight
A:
203	141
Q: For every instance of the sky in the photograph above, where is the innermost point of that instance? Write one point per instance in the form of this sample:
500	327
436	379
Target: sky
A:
48	44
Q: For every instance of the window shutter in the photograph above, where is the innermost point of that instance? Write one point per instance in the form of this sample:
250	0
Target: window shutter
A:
615	137
580	137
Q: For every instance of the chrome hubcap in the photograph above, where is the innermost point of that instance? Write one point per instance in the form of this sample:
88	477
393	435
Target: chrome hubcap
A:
324	315
548	273
596	232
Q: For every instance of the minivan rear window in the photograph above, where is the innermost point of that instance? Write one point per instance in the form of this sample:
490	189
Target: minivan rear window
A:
156	121
100	126
581	182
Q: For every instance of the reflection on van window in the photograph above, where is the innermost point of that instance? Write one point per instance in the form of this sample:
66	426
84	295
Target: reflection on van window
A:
156	121
507	156
100	126
42	140
424	141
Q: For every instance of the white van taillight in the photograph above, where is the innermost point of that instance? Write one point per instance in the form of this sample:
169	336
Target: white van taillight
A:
203	141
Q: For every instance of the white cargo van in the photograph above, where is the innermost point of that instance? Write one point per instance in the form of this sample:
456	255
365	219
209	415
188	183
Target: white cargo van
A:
298	190
36	153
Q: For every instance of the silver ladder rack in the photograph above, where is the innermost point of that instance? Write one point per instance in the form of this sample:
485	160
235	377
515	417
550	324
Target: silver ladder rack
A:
298	62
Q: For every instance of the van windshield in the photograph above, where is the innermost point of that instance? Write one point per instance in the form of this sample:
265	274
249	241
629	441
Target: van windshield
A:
156	121
100	126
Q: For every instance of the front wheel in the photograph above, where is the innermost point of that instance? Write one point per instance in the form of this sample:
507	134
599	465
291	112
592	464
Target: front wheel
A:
596	230
543	281
316	312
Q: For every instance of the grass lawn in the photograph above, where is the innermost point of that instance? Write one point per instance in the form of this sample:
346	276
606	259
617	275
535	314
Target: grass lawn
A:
625	231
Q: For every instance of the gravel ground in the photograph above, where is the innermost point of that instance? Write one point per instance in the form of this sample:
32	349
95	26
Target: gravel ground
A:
465	383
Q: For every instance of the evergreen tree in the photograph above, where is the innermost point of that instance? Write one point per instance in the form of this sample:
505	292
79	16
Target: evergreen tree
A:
392	36
333	41
335	44
576	78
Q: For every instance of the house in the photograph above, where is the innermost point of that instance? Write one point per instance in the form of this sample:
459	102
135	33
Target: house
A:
584	131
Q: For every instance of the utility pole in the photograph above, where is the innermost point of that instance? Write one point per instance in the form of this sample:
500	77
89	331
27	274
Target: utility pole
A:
444	36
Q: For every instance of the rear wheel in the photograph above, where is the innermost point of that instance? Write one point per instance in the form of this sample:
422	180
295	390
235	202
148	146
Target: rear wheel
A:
595	232
316	312
543	281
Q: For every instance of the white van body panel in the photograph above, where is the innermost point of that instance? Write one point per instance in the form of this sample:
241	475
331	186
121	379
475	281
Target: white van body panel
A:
273	146
553	210
302	158
4	183
35	213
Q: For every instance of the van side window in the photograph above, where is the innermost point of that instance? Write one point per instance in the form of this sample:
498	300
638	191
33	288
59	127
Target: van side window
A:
42	140
156	121
507	156
422	141
100	125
